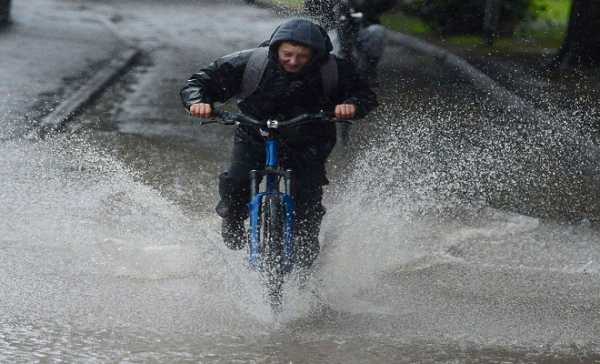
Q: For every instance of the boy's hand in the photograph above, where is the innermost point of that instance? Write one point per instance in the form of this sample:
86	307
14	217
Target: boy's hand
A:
201	110
345	111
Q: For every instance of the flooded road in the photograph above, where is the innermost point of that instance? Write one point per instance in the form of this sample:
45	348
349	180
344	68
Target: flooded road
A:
112	253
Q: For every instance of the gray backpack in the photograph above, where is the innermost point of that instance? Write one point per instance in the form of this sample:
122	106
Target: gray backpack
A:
255	69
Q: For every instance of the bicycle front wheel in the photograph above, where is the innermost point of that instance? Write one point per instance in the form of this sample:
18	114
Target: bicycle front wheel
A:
272	237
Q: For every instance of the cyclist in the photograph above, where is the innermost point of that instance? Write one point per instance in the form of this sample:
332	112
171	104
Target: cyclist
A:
365	41
291	83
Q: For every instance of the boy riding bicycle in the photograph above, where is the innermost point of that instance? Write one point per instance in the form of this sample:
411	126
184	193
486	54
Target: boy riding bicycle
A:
293	77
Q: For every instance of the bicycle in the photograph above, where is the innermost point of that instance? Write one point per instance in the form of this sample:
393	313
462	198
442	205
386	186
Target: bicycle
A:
271	249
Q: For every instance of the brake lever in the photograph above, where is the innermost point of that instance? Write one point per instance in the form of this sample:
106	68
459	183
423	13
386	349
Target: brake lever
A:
226	117
204	121
228	122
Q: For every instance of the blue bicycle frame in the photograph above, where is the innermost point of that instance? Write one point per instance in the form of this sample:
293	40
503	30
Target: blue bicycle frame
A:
273	174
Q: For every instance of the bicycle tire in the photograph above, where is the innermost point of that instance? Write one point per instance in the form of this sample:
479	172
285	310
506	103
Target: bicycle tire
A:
272	235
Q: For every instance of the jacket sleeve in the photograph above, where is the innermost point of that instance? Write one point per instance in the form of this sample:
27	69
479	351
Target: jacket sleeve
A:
217	82
352	89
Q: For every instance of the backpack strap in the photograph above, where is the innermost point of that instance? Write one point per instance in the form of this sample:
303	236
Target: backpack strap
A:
329	77
255	69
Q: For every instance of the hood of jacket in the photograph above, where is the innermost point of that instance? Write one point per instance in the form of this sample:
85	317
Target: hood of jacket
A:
303	32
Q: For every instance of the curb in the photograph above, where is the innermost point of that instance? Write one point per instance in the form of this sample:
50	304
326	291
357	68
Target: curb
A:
70	107
478	79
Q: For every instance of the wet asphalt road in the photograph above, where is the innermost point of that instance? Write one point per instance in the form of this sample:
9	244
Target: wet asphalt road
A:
415	266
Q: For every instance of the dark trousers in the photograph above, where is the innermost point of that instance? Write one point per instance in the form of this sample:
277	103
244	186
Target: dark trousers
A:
308	164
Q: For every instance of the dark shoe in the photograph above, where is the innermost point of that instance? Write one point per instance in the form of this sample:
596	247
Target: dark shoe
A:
307	238
233	233
233	211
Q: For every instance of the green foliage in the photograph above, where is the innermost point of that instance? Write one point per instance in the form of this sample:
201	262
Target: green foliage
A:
403	23
552	11
547	24
465	16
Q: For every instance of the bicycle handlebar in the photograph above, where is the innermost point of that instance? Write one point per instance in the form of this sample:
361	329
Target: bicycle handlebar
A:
234	118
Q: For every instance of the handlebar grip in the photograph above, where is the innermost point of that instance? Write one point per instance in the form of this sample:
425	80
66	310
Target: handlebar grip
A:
330	115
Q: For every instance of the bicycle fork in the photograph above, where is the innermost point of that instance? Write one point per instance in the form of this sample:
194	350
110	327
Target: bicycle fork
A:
273	174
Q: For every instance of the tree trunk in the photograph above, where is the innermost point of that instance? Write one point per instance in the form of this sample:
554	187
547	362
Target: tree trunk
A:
491	20
581	46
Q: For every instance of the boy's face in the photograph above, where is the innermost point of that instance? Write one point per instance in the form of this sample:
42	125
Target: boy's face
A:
293	57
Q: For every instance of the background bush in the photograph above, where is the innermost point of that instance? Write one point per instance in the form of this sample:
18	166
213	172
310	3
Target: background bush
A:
452	17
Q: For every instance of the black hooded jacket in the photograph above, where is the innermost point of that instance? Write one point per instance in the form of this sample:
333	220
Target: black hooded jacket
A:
282	95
